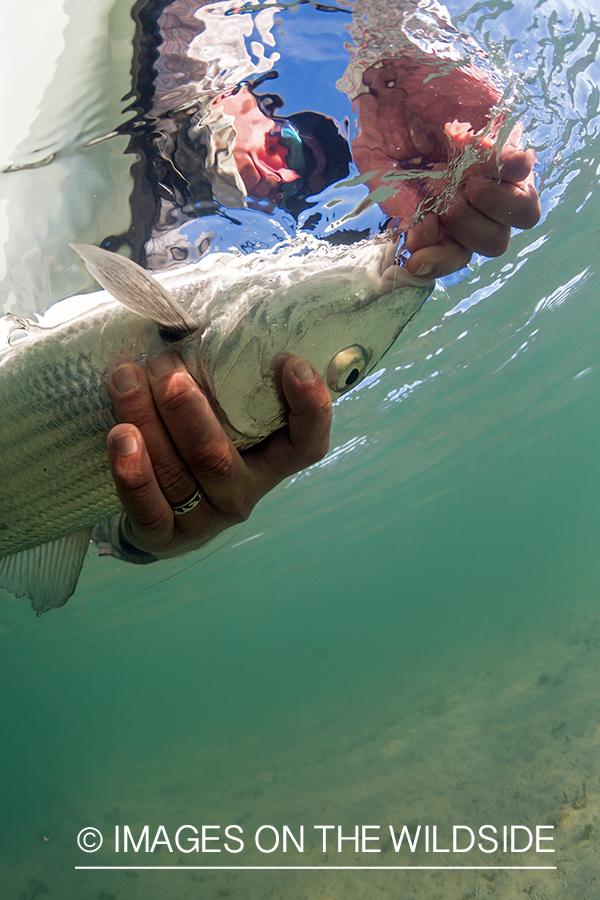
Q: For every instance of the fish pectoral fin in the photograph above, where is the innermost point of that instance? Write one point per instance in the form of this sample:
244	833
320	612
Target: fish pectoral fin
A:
135	288
47	574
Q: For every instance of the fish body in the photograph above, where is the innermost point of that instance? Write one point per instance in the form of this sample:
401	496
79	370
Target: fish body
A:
231	318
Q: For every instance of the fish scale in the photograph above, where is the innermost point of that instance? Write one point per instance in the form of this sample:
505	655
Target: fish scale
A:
55	447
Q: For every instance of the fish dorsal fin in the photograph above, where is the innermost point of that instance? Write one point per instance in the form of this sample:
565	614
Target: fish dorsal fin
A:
136	289
47	574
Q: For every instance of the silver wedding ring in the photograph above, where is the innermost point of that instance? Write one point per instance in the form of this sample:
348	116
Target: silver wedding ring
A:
189	505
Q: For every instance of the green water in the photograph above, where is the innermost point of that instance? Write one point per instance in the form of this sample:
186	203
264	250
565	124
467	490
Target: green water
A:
408	633
373	657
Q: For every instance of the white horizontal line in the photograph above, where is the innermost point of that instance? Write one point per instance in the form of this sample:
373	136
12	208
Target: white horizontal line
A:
324	868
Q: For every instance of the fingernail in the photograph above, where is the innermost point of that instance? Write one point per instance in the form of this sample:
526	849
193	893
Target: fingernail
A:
125	443
303	371
424	269
125	379
162	365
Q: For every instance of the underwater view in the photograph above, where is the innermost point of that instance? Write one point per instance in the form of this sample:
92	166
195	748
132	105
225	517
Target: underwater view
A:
386	681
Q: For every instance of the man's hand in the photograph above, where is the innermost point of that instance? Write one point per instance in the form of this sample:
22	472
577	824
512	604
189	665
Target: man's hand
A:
495	197
416	120
170	443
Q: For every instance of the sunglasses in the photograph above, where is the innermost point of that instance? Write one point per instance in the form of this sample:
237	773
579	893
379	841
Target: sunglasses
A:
286	135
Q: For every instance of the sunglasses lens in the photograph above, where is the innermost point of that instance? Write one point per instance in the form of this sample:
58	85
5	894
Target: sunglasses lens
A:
290	139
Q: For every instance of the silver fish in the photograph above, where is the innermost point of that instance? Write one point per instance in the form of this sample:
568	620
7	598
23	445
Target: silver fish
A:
231	318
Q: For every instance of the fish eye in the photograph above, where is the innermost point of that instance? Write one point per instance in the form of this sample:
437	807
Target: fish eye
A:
347	368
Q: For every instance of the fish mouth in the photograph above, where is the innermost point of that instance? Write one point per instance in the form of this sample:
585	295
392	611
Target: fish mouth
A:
389	254
393	273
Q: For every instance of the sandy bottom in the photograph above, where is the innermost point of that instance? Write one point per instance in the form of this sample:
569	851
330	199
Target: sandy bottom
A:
511	738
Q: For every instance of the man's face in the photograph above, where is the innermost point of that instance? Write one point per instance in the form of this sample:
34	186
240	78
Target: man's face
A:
260	157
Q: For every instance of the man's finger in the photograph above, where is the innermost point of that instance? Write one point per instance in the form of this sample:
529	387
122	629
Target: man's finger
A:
133	402
216	465
149	513
515	163
424	234
515	205
476	231
306	439
436	260
512	163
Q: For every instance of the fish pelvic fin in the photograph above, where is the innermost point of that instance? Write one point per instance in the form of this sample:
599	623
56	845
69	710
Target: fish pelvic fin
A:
136	289
46	574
